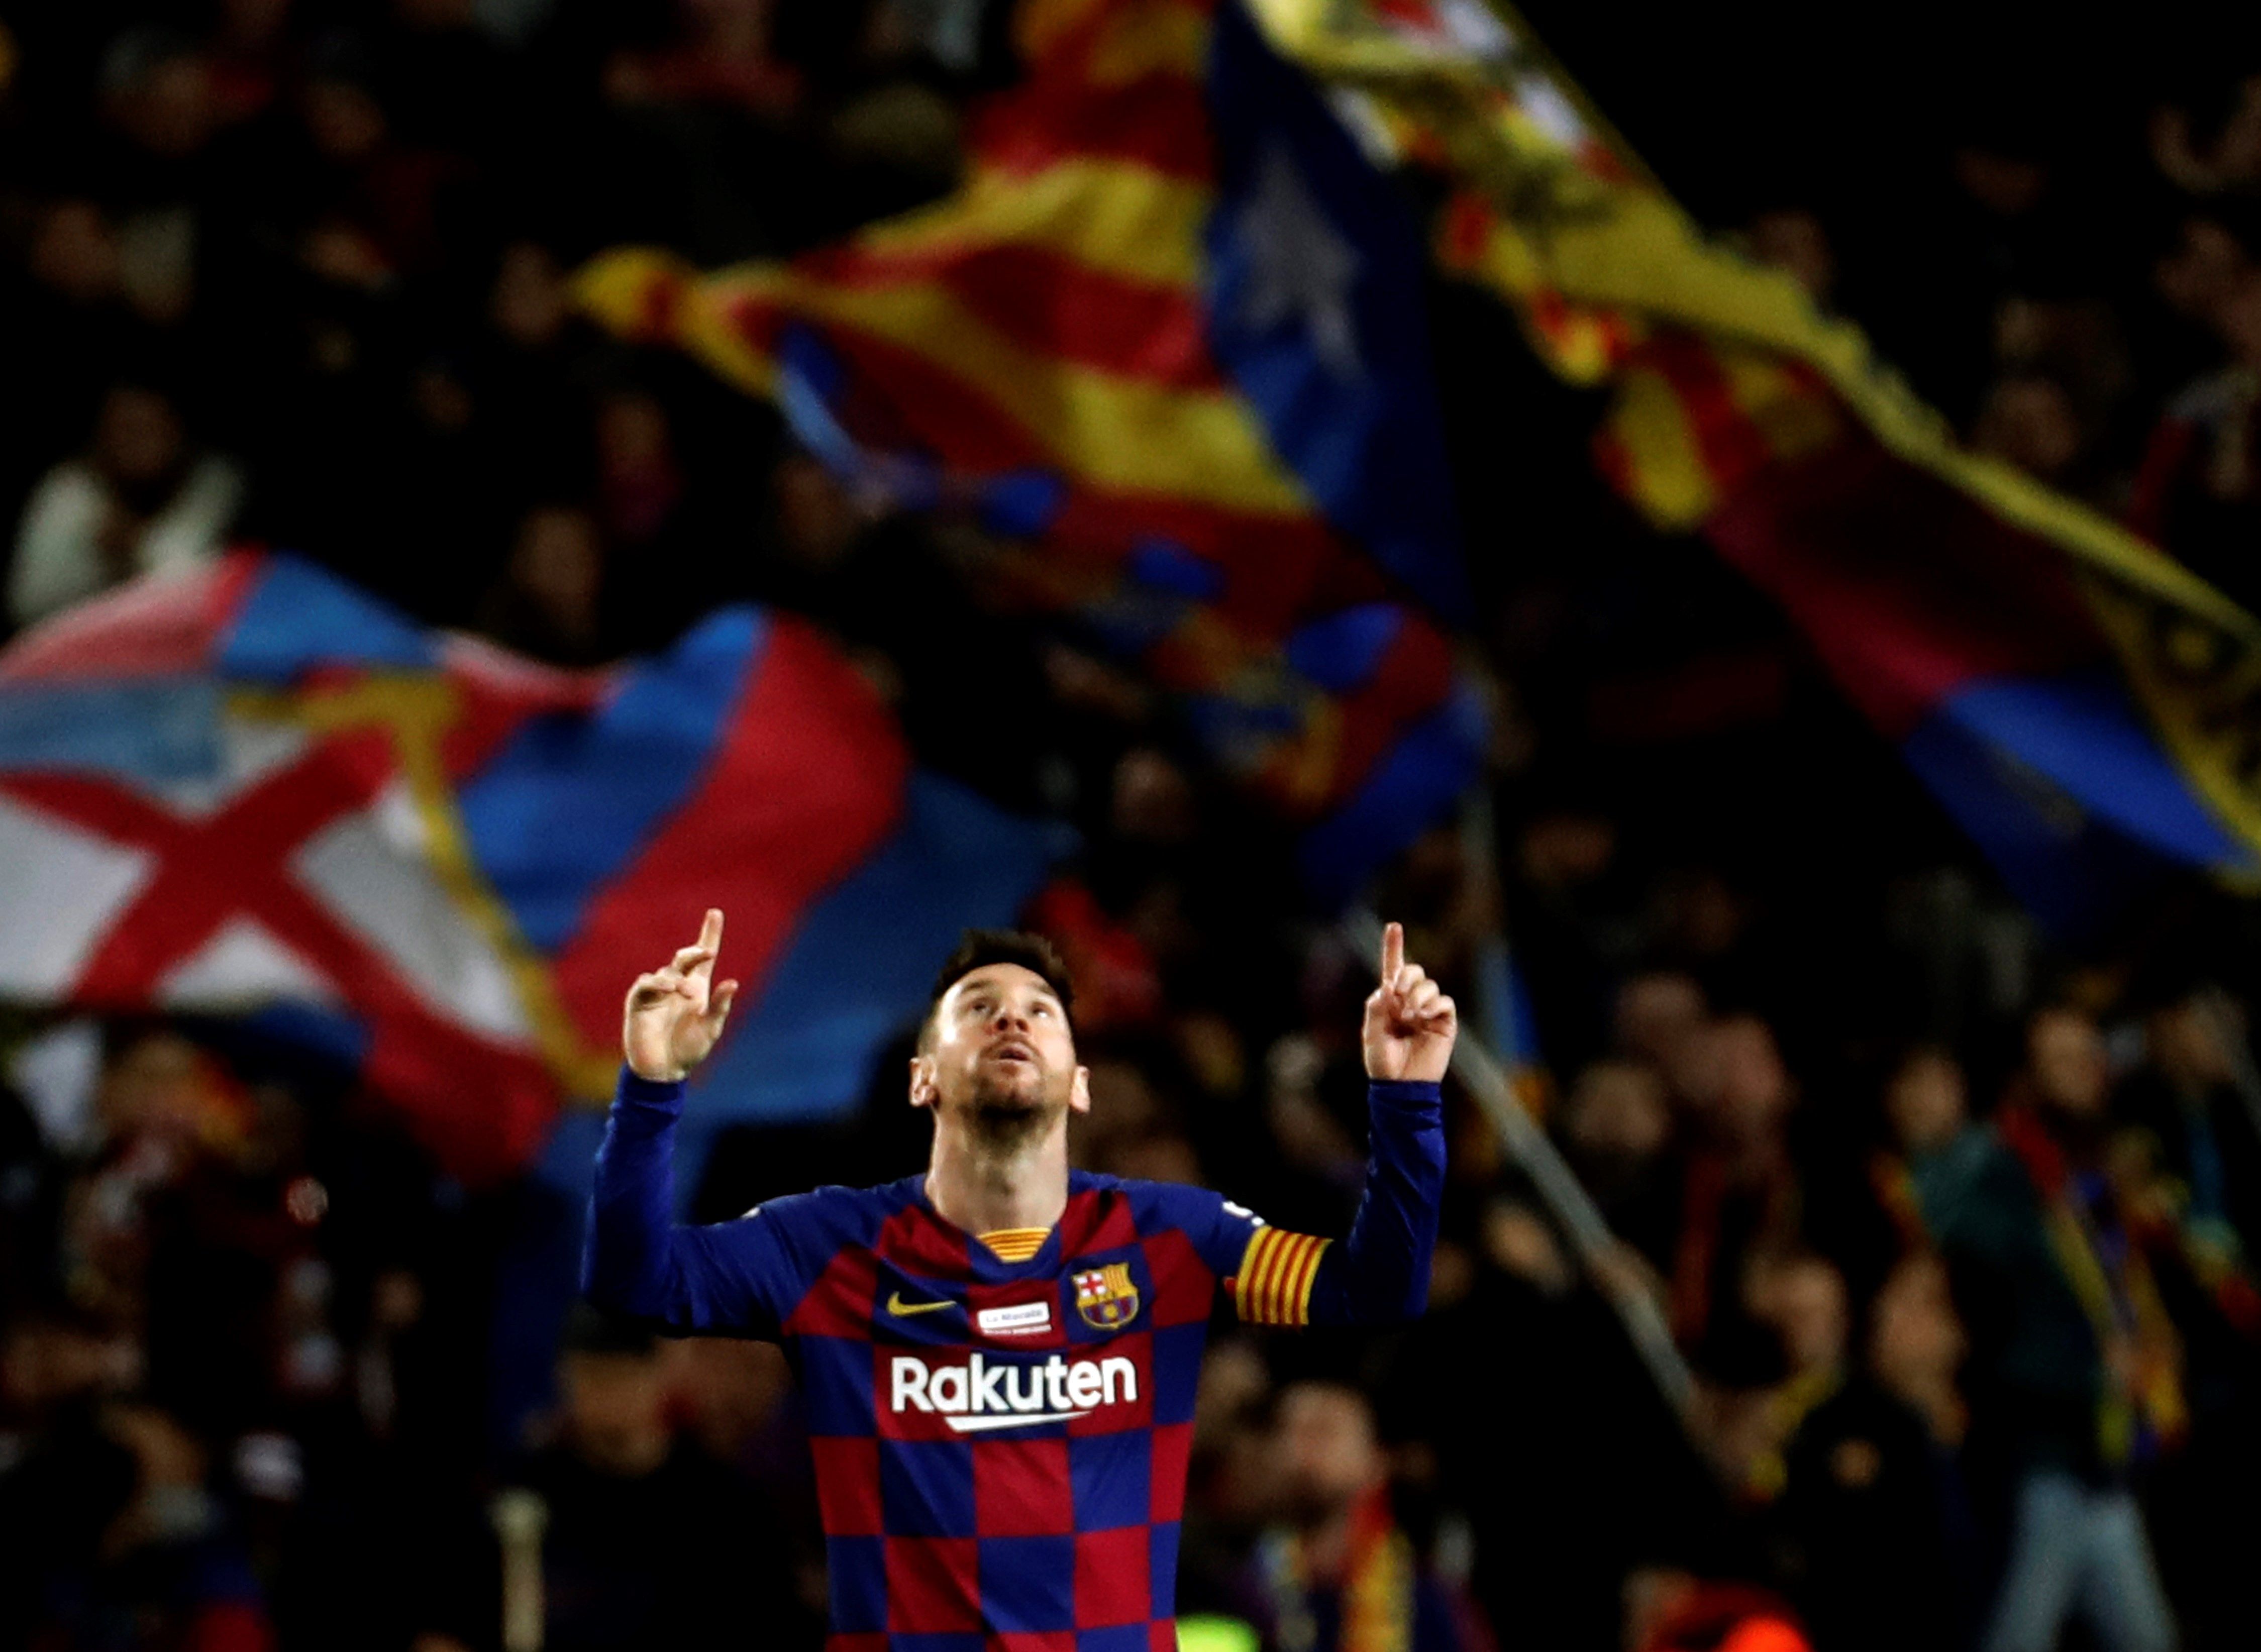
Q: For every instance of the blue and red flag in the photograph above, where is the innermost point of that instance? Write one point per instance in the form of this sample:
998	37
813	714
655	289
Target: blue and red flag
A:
2085	708
1168	342
1975	647
255	789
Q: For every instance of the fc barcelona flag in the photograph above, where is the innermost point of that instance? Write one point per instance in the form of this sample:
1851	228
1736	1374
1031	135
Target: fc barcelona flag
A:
254	790
2085	706
1167	342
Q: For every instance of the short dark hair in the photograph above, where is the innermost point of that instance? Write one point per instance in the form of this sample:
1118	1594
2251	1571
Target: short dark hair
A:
978	949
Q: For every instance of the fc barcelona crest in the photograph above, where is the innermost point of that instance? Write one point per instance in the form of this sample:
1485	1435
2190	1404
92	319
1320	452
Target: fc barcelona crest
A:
1105	1296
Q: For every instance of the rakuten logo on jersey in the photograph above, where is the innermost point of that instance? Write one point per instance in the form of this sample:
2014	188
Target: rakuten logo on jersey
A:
979	1395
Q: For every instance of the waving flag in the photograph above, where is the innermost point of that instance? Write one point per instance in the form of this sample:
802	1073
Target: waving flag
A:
1167	340
2082	704
254	789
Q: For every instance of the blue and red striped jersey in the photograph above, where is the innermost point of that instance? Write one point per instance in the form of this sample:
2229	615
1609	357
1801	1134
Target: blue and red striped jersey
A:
1001	1446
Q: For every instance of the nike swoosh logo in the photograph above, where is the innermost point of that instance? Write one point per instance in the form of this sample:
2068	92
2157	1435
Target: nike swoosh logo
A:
897	1305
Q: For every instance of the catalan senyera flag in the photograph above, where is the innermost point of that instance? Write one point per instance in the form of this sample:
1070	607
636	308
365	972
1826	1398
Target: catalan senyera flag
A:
2082	705
1167	342
254	791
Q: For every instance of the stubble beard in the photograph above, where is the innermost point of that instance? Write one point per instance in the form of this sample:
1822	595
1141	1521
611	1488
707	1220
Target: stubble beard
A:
1004	1117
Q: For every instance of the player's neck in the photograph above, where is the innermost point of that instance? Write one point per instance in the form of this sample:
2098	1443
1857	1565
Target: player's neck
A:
981	1186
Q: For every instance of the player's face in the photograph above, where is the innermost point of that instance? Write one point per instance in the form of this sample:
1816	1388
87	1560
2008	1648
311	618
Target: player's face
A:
1000	1048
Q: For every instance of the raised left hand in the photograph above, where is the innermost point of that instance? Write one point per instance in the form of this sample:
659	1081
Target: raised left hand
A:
1410	1023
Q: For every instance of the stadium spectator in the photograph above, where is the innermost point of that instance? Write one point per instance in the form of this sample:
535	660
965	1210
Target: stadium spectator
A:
1617	1128
1871	1511
142	500
2028	421
548	603
69	325
2186	1097
1740	1192
116	1536
2189	1149
1794	241
1337	1574
2197	493
2075	1367
643	1538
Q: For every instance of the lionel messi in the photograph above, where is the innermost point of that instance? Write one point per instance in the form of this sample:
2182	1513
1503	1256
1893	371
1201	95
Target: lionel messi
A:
999	1356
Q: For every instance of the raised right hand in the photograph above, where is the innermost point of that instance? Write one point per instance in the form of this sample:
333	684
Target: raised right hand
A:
675	1015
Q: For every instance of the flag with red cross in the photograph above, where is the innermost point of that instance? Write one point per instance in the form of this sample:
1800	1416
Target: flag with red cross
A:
254	789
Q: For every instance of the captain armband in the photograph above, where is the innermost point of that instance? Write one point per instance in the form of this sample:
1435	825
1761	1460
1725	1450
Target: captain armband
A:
1273	1285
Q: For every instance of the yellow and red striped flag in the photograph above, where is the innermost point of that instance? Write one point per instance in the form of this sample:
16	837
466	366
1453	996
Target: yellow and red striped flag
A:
1167	340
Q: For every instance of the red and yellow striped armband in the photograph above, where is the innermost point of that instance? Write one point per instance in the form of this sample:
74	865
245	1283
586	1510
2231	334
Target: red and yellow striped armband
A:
1273	1285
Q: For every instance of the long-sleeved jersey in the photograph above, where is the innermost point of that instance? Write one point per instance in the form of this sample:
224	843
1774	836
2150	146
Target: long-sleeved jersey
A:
1001	1446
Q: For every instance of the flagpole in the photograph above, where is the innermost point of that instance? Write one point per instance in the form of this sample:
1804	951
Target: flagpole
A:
1486	1080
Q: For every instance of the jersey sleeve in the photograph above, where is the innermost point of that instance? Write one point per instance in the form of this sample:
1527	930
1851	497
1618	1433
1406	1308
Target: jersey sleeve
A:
1378	1274
1219	1230
737	1278
1266	1271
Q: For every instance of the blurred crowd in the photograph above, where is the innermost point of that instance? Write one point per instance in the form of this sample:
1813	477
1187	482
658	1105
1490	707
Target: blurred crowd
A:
1951	1225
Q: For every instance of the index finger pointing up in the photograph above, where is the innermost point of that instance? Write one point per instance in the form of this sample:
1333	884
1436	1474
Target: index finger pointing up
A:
710	932
1393	952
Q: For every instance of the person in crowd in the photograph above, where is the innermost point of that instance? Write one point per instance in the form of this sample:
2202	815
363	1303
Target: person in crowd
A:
883	583
2028	421
250	55
1336	1572
1618	1131
643	1539
1740	1192
67	326
1934	1141
1794	241
1658	1014
1917	1346
141	498
157	161
2197	491
548	600
2185	1098
721	56
113	1527
1871	1507
2213	146
2190	1152
2075	1367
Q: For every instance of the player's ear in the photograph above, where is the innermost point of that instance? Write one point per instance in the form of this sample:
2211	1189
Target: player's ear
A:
1079	1091
923	1084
